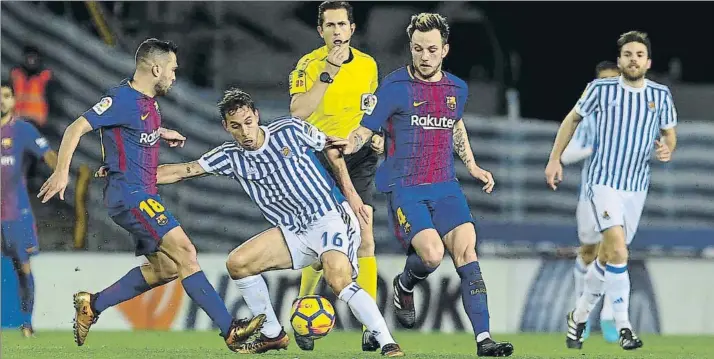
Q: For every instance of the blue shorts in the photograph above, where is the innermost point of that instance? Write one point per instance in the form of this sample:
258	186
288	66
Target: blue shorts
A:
19	238
143	215
440	206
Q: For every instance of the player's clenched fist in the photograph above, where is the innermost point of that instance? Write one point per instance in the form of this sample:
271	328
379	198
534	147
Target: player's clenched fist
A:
664	154
378	144
57	183
485	177
338	55
553	174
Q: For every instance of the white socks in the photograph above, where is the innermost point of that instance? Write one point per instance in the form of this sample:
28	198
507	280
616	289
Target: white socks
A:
256	296
606	313
617	286
367	312
593	290
579	271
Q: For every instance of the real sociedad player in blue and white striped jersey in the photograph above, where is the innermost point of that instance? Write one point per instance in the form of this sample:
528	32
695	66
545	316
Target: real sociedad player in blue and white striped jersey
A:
632	113
579	149
313	221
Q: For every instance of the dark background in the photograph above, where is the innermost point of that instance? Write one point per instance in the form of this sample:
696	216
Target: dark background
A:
561	42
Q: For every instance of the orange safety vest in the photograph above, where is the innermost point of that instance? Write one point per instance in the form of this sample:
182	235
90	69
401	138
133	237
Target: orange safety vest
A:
30	101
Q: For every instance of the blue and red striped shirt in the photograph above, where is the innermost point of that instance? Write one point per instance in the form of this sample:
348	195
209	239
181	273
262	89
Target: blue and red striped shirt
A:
128	123
19	138
418	119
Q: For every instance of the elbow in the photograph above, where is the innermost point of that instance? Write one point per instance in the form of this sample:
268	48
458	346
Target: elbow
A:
299	108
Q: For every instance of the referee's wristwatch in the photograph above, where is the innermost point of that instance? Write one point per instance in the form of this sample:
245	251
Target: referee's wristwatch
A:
326	78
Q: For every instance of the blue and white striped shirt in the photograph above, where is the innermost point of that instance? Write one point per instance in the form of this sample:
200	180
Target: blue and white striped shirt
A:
627	122
283	177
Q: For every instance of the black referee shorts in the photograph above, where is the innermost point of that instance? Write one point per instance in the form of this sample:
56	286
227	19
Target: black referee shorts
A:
361	166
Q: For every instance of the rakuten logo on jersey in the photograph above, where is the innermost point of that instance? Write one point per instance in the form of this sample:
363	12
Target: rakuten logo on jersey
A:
8	160
149	138
430	122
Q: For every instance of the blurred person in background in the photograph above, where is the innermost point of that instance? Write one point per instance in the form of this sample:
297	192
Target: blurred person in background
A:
580	148
330	88
634	116
422	106
19	231
34	87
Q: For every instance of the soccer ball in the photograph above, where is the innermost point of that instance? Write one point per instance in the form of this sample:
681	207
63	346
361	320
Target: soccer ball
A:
312	316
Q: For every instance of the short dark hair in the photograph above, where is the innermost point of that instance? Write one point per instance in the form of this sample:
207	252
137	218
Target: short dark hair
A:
605	65
334	5
634	36
152	47
233	99
8	85
30	50
425	22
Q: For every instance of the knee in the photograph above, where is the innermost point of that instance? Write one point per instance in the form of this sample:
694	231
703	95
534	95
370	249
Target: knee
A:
238	268
181	251
432	255
167	272
337	271
588	252
617	254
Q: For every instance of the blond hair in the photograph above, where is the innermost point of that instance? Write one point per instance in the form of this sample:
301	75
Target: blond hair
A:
425	22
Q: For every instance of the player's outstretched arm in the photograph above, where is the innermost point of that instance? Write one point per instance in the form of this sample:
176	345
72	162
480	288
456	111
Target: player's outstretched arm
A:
357	138
57	183
554	169
339	169
462	147
172	173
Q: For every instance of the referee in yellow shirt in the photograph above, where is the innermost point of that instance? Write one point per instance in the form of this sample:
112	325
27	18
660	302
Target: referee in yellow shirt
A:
328	89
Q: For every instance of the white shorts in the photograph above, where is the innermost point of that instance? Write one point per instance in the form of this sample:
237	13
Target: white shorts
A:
337	230
611	207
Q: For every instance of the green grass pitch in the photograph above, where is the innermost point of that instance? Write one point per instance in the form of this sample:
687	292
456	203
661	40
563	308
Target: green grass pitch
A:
342	345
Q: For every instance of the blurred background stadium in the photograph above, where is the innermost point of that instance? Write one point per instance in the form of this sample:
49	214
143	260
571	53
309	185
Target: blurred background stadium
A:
526	65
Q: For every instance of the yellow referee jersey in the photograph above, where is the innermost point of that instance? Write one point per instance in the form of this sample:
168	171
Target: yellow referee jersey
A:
342	107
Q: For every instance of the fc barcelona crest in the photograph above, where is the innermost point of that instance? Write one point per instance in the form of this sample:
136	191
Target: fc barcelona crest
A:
162	220
451	102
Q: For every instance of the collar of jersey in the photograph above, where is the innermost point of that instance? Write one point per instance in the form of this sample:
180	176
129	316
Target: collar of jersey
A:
627	87
265	143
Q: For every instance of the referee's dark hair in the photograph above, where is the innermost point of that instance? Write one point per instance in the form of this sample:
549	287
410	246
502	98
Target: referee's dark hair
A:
154	47
634	36
233	99
334	5
605	65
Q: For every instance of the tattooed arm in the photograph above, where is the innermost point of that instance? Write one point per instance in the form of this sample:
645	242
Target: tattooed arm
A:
172	173
462	147
358	137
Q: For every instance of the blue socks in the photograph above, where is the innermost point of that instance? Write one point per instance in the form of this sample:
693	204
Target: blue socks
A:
196	286
27	296
475	299
414	272
202	292
129	286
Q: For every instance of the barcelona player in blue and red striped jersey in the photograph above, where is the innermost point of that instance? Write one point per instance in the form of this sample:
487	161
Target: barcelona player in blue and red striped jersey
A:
420	107
129	123
19	232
